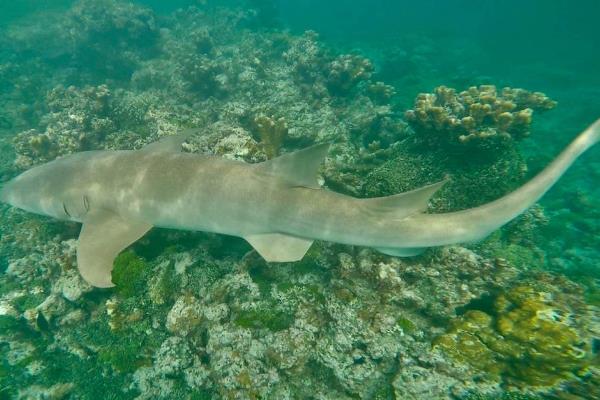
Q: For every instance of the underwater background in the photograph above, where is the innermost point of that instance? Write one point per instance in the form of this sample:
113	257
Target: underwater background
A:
487	92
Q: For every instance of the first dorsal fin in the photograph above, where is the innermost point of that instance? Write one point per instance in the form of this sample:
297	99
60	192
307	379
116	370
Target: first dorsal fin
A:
404	204
299	168
171	143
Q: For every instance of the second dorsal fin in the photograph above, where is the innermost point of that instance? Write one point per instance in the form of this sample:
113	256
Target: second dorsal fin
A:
403	204
299	168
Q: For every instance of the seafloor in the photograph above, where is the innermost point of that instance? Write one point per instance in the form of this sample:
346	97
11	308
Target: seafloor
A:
201	316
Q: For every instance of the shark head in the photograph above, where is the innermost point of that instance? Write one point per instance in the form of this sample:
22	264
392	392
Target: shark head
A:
67	189
48	190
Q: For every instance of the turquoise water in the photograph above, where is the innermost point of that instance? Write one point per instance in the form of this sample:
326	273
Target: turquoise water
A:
486	93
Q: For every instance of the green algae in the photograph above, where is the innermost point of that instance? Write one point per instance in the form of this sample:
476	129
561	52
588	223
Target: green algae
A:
202	394
500	396
474	179
126	346
263	276
267	318
129	274
405	324
523	257
384	392
124	355
8	323
28	301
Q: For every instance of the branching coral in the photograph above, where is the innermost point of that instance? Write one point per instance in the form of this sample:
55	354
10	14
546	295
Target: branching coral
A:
380	93
345	72
306	56
529	337
328	75
480	117
272	132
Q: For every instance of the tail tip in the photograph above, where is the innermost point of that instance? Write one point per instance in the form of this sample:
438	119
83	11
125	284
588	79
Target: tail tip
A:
594	131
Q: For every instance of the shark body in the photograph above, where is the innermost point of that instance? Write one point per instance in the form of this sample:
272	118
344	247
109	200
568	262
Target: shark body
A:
277	206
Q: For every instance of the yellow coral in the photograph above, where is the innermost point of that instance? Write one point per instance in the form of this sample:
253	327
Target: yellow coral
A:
272	132
527	339
480	116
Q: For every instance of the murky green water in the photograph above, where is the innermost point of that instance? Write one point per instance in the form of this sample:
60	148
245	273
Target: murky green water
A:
407	94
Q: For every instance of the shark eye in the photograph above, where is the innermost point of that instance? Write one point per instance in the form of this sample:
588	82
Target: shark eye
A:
65	210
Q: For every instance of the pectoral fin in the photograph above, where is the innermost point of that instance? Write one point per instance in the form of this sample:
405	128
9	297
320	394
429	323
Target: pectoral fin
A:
275	247
103	236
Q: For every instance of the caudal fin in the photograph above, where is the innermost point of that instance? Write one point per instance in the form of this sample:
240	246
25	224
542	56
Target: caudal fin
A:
593	133
489	217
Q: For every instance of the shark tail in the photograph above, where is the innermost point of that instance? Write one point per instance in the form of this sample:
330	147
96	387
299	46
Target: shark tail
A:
485	219
593	133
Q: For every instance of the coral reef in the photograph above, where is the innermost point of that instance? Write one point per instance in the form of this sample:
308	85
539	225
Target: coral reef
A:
204	76
78	119
347	71
478	118
201	316
110	36
106	38
307	59
534	334
340	323
380	92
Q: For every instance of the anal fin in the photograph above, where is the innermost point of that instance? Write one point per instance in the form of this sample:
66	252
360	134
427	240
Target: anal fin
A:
103	236
401	251
277	247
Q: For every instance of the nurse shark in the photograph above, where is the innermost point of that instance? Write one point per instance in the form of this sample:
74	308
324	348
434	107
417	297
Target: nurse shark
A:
278	205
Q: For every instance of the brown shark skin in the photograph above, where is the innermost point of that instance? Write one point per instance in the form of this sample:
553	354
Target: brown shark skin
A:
202	193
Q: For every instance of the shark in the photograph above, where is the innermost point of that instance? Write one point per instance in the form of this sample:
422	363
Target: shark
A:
278	205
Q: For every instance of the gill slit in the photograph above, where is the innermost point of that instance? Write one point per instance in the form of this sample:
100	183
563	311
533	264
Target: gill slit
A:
65	210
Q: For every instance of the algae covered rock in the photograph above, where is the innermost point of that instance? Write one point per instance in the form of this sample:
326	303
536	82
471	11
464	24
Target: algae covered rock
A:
129	274
110	36
78	119
533	334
